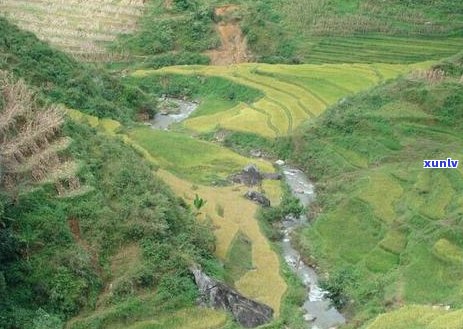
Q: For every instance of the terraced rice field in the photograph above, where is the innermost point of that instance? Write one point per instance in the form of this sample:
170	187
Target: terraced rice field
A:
293	94
381	49
66	25
422	317
264	282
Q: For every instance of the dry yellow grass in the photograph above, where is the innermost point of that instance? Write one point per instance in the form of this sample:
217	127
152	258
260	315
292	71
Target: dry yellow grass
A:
264	283
419	316
272	189
78	27
193	318
240	118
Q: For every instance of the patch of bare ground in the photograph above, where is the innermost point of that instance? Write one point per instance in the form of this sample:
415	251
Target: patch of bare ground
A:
74	226
123	263
233	49
168	4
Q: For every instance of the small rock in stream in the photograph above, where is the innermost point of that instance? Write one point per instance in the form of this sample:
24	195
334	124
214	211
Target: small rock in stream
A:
309	317
258	197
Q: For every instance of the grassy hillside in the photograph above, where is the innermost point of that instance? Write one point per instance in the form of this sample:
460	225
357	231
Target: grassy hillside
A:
389	231
160	33
354	31
127	240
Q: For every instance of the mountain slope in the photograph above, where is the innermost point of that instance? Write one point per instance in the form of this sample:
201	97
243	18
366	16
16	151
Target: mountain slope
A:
125	240
387	230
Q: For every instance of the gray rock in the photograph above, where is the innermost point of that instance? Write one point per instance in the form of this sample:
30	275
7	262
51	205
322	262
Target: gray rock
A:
258	197
249	176
309	317
273	176
280	163
256	153
215	294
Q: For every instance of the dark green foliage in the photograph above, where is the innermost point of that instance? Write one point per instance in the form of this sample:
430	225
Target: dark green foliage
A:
199	202
44	265
61	79
172	36
169	59
289	205
244	143
336	285
177	85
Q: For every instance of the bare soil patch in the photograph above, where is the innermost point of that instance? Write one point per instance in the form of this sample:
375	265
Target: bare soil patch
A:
234	48
168	4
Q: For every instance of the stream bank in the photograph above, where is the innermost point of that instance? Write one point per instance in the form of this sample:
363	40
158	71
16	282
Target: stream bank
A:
174	110
320	314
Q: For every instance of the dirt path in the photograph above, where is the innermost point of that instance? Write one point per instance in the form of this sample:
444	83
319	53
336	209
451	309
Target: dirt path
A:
234	48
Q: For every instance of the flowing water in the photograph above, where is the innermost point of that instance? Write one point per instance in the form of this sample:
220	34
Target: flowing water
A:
320	314
164	121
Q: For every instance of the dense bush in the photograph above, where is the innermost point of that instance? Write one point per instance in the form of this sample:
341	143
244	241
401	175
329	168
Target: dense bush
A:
179	37
50	274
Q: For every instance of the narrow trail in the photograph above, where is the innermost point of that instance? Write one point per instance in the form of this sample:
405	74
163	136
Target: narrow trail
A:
233	49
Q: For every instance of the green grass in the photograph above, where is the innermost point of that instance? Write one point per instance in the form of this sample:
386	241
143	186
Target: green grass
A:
364	31
396	223
239	258
189	158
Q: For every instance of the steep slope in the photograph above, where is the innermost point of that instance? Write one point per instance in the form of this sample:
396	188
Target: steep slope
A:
125	242
66	25
62	79
387	230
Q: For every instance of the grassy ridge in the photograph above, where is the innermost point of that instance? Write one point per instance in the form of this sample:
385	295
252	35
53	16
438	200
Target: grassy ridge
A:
390	231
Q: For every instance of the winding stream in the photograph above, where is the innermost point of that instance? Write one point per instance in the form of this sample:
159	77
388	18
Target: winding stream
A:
320	314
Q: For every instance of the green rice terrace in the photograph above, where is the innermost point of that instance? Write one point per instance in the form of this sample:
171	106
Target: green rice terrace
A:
202	164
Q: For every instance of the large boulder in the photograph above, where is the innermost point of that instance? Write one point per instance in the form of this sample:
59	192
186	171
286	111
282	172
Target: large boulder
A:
249	176
215	294
258	197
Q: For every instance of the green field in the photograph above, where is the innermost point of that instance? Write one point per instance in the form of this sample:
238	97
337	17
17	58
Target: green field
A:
291	94
391	225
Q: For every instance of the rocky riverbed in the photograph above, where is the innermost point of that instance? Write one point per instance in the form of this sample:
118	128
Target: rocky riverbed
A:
319	312
173	110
